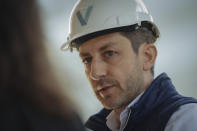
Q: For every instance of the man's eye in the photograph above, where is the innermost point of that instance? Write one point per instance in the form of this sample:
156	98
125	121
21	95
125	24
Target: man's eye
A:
110	53
87	60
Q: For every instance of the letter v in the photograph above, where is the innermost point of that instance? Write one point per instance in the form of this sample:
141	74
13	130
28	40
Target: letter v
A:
82	20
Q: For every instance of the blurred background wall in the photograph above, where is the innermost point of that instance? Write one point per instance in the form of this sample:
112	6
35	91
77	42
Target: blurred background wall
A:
177	56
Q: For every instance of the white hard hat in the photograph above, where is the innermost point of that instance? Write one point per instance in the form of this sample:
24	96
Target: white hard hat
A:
92	16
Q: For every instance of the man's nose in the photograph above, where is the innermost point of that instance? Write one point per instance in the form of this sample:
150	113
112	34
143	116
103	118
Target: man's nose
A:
98	69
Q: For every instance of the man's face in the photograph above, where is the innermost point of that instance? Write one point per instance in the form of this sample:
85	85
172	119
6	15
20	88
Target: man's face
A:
113	69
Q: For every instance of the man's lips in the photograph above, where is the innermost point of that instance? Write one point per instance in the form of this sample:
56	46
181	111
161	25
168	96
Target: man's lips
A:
102	88
103	91
105	88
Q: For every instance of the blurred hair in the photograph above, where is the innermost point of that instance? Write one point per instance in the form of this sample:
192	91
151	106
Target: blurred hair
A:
24	70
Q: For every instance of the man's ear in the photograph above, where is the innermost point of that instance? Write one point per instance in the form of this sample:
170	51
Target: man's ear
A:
149	56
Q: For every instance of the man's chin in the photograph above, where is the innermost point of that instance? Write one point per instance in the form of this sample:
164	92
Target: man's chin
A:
109	105
108	102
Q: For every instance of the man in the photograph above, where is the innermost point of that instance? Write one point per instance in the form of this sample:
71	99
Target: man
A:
115	40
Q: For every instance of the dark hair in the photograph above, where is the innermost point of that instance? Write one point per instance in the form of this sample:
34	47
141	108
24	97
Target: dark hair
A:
138	37
24	68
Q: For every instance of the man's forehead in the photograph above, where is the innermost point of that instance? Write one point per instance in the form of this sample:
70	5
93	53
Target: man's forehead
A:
101	42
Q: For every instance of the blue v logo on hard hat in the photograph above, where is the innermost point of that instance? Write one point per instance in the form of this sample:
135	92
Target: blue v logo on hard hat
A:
84	20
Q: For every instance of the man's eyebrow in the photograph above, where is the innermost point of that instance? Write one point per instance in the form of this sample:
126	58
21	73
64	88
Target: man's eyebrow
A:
84	54
107	45
110	44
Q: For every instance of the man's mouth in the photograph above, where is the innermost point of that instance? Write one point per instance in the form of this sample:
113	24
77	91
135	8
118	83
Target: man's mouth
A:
104	91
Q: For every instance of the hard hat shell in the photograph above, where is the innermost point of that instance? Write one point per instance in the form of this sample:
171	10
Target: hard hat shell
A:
90	16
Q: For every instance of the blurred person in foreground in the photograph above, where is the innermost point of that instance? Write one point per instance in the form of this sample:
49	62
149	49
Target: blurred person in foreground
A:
116	42
30	98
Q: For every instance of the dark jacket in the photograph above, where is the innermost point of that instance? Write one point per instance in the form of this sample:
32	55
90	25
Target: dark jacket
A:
151	112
